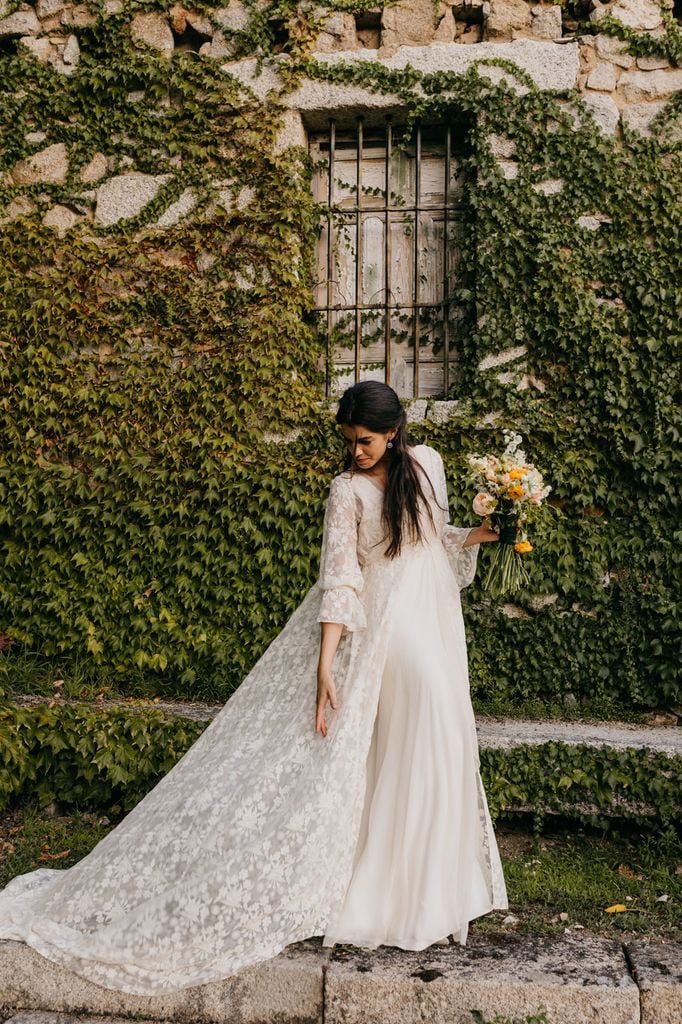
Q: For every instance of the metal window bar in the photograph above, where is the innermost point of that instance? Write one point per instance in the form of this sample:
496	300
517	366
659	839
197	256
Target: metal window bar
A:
358	307
446	276
358	250
330	255
387	252
415	257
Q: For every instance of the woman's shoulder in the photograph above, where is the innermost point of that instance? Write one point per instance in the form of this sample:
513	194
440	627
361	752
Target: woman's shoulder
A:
341	483
342	478
424	452
342	493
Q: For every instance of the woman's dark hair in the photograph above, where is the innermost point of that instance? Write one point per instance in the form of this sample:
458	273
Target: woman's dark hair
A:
374	405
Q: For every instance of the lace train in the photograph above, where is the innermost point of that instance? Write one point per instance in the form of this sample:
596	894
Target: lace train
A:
247	844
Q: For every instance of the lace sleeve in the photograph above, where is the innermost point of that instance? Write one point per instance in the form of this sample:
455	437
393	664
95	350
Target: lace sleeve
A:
462	560
340	577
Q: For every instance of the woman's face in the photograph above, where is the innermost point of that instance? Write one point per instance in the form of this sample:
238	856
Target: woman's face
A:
366	446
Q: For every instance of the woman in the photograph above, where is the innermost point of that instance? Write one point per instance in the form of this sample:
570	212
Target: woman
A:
371	829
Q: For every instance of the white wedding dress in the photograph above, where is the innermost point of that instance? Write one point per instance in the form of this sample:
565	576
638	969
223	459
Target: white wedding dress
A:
266	832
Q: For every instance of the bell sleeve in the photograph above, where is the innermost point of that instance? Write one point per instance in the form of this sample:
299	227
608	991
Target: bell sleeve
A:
462	560
340	576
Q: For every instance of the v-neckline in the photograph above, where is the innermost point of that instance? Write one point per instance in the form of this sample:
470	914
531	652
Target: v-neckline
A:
371	481
376	486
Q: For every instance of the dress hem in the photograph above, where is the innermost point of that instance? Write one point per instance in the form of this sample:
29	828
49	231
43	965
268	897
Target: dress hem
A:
367	941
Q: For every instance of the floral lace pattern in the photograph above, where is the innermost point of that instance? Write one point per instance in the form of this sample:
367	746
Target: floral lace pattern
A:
340	576
247	844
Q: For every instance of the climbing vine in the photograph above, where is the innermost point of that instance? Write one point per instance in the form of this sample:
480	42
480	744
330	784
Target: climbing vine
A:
109	758
166	452
642	44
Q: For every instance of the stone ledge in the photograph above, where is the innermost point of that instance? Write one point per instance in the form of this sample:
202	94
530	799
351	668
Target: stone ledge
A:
657	970
575	979
287	989
54	1017
511	732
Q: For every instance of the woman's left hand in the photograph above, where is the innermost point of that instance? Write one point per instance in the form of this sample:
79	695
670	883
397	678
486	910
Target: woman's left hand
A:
484	534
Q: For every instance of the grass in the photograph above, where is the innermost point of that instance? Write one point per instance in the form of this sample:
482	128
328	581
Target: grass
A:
558	882
597	709
30	839
27	673
563	881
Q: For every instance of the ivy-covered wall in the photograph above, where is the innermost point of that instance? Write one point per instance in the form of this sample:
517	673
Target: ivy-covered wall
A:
166	450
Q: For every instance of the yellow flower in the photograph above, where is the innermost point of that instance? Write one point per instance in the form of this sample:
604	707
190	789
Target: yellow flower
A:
523	547
515	492
517	474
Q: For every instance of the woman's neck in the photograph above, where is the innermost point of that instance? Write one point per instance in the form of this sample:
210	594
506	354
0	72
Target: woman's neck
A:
379	469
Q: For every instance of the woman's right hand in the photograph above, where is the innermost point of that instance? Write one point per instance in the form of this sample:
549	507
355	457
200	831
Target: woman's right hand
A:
326	693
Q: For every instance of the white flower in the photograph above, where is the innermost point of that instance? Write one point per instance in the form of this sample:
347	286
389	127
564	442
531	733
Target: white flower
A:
484	504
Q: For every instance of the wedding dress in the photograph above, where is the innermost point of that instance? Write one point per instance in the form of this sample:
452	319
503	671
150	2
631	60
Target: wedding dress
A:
266	832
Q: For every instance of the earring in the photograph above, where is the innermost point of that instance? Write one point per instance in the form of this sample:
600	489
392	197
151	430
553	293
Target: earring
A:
390	444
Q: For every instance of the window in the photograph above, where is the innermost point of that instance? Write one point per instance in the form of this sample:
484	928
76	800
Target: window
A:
388	254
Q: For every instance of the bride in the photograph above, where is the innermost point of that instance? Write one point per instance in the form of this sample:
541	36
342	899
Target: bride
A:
359	814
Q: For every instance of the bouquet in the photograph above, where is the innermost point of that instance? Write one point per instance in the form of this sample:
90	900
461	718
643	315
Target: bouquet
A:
510	493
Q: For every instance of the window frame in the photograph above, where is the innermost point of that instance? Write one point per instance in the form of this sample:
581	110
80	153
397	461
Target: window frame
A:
453	212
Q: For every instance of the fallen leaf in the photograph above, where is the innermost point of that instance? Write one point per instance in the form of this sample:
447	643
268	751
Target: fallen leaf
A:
662	899
629	873
53	856
617	908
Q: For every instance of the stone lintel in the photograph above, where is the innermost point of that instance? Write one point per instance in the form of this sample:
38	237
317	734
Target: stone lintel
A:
550	65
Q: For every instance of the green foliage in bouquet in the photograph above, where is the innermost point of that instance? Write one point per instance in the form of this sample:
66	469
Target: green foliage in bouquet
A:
165	450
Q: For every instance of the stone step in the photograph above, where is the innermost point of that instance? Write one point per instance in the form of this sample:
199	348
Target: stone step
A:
512	732
575	980
499	733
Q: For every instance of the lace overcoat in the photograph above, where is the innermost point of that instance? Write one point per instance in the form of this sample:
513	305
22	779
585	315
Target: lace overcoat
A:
246	845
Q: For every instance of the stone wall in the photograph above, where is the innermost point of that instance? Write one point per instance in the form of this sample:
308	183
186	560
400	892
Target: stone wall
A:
618	88
117	190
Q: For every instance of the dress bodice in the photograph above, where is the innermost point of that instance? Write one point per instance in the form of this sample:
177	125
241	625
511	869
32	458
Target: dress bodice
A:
354	540
372	541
